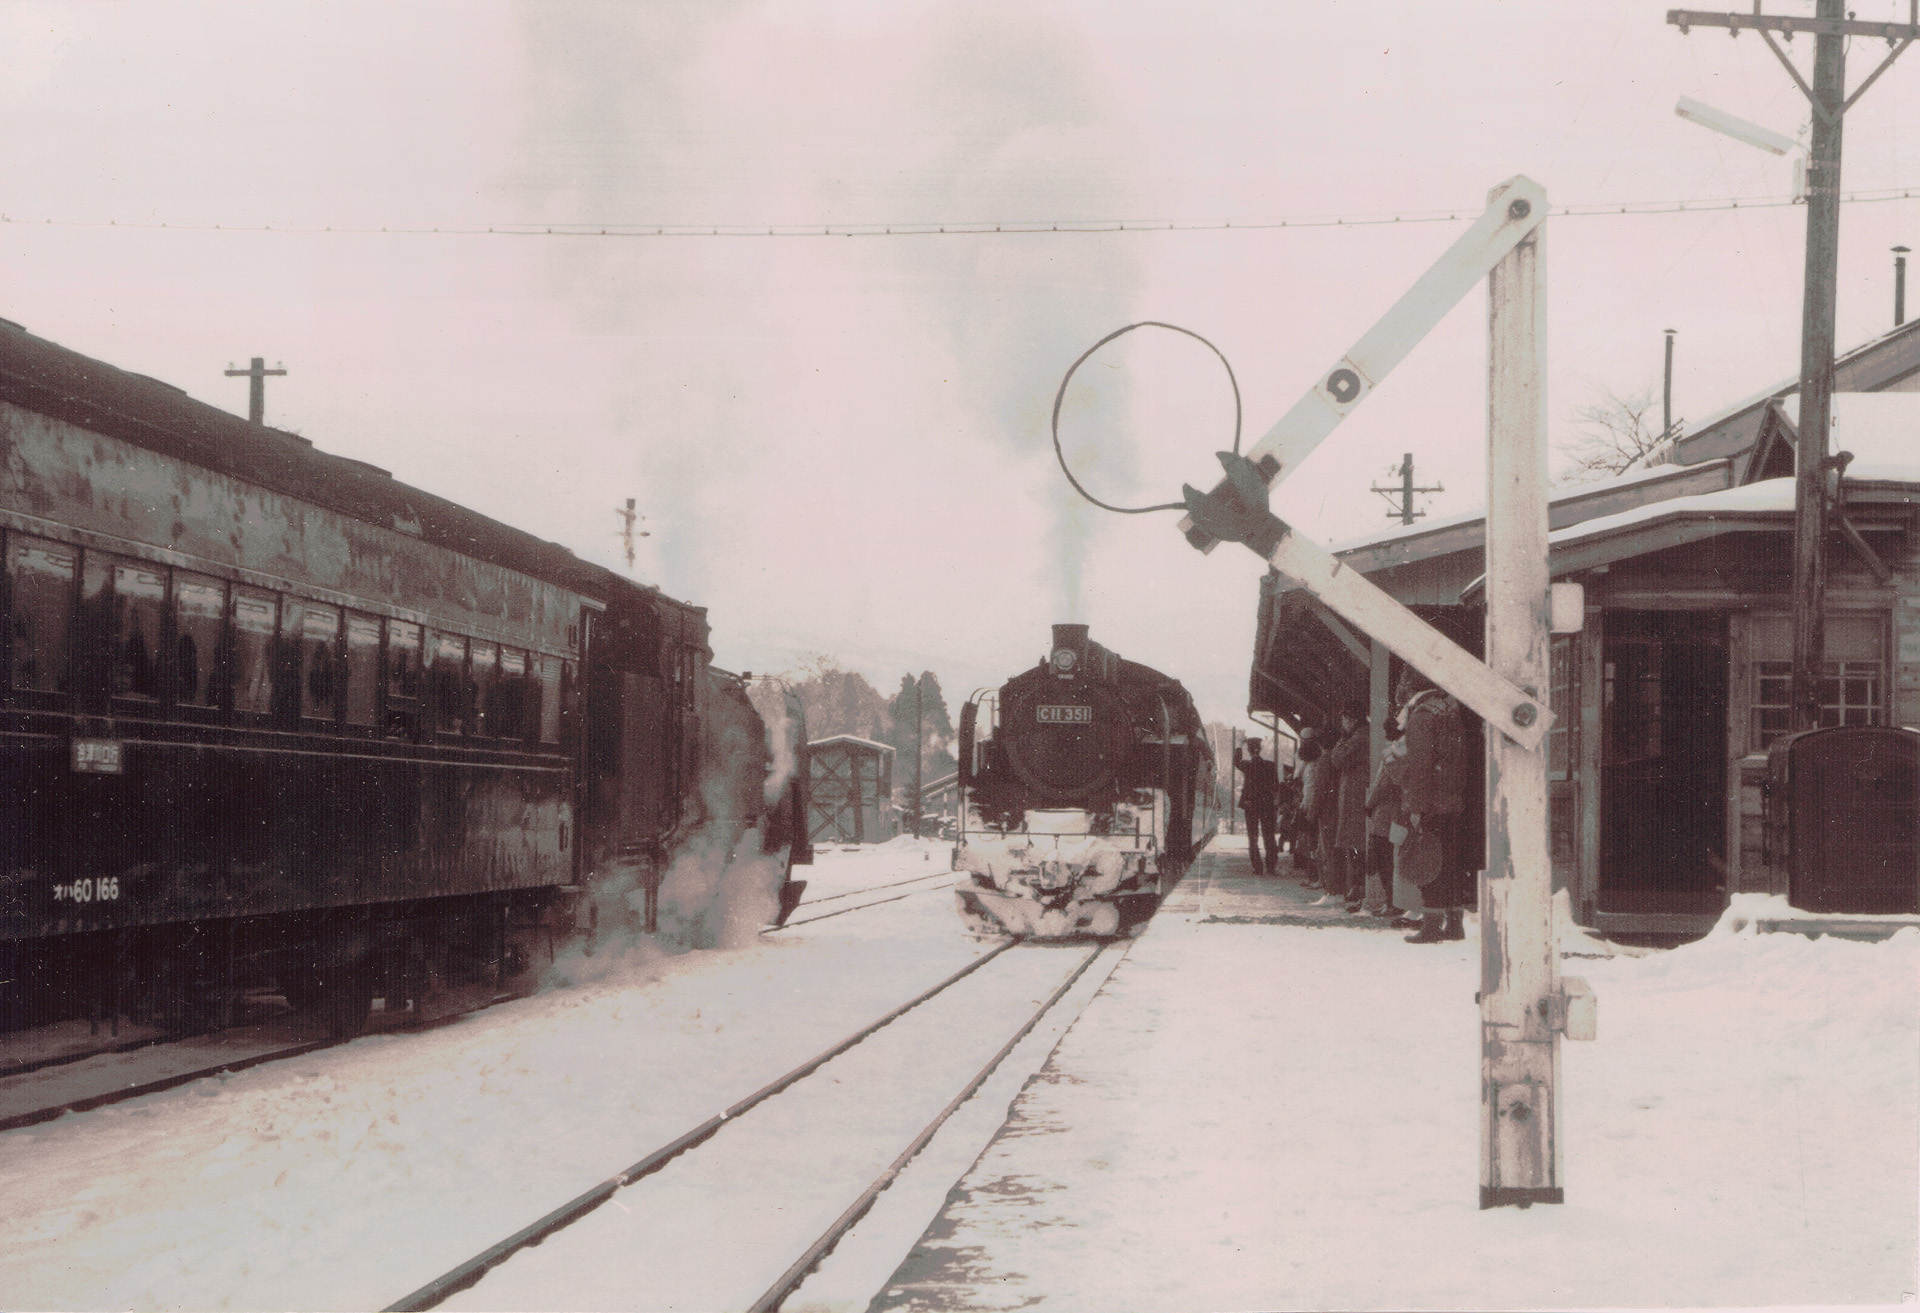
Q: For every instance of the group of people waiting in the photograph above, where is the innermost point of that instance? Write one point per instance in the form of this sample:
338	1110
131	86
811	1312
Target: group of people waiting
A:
1403	844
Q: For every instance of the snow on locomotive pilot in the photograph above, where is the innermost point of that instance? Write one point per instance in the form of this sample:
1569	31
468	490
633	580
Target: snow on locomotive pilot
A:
1088	789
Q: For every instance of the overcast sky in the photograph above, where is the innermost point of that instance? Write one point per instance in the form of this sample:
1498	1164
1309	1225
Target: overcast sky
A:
841	443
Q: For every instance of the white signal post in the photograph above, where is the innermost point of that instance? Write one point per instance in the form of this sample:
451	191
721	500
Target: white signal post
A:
1525	1007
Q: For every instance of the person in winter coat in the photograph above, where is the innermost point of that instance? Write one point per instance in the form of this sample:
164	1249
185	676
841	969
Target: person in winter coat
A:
1439	769
1383	811
1348	832
1260	801
1306	826
1289	806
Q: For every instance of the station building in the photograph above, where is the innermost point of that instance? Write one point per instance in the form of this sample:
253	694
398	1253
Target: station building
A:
1667	700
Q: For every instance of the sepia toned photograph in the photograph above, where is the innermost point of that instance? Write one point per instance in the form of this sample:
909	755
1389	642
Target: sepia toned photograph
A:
717	656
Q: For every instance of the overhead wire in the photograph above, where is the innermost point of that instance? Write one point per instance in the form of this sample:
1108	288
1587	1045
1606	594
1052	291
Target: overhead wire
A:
958	228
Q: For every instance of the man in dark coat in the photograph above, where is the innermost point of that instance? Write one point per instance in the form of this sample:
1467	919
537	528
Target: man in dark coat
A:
1260	800
1441	778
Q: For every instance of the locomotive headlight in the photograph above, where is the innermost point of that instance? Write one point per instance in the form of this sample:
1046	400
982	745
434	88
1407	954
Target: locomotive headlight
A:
1063	660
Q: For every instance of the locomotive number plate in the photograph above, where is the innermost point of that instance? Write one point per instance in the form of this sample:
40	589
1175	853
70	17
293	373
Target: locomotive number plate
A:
1065	715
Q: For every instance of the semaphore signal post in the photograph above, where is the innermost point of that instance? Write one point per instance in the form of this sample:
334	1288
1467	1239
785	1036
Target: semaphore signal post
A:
1524	1005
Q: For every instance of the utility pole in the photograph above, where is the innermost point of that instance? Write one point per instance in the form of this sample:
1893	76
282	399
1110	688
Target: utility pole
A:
1828	96
257	373
1405	489
627	533
916	756
1666	392
1899	285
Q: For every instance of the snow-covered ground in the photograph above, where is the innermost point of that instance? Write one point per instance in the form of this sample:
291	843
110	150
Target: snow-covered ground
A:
1275	1116
1263	1116
349	1177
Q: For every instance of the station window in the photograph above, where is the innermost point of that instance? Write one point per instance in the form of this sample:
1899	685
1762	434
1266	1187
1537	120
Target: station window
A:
139	601
1851	680
319	636
41	577
486	669
361	669
507	715
403	679
447	678
199	622
256	617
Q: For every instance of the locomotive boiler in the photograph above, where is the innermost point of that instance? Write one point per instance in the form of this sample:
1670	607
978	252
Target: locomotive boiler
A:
1087	791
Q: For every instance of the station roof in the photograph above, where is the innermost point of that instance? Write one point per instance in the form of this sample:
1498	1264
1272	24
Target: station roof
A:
1722	478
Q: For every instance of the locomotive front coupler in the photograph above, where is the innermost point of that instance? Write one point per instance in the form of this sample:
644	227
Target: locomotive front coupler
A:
1236	510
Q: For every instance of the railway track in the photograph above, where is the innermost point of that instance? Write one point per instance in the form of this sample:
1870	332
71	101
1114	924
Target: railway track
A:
36	1092
718	1182
947	878
39	1090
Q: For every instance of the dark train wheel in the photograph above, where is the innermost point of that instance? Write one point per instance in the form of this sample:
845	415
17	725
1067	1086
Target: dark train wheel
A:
348	1002
336	993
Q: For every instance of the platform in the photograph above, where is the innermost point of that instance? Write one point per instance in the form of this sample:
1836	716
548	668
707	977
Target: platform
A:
1271	1105
1170	1142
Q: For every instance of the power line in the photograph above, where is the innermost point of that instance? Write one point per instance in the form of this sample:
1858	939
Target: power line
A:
1598	209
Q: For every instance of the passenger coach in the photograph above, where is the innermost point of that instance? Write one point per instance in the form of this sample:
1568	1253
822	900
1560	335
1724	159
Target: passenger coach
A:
268	715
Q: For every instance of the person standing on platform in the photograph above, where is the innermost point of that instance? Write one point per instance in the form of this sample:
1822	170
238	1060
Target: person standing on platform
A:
1306	825
1347	826
1260	800
1436	855
1383	812
1289	806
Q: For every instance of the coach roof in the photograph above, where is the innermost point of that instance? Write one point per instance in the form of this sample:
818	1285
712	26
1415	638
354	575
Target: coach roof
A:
49	379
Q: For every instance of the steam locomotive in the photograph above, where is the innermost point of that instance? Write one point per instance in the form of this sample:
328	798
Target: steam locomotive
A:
272	720
1088	789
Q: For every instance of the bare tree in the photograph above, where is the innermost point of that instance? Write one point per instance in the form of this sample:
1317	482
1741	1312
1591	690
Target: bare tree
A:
1614	431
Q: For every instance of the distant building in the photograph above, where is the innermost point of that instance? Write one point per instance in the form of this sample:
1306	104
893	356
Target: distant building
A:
850	790
1666	702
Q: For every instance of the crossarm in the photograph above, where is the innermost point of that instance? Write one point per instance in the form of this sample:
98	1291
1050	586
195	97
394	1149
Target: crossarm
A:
1514	209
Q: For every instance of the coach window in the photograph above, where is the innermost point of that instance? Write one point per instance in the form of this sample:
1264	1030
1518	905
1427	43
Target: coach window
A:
486	669
40	579
507	715
549	699
361	671
139	601
199	619
319	638
447	678
403	680
255	620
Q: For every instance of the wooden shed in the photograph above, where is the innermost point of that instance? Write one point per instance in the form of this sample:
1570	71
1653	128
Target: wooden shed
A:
850	782
1666	702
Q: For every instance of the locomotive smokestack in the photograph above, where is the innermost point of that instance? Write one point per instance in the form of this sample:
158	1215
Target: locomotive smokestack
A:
1069	649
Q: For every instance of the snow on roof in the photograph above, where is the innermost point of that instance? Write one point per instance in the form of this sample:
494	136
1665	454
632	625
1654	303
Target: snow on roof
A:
1909	473
1770	496
850	738
1877	427
1787	389
1767	495
1559	497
